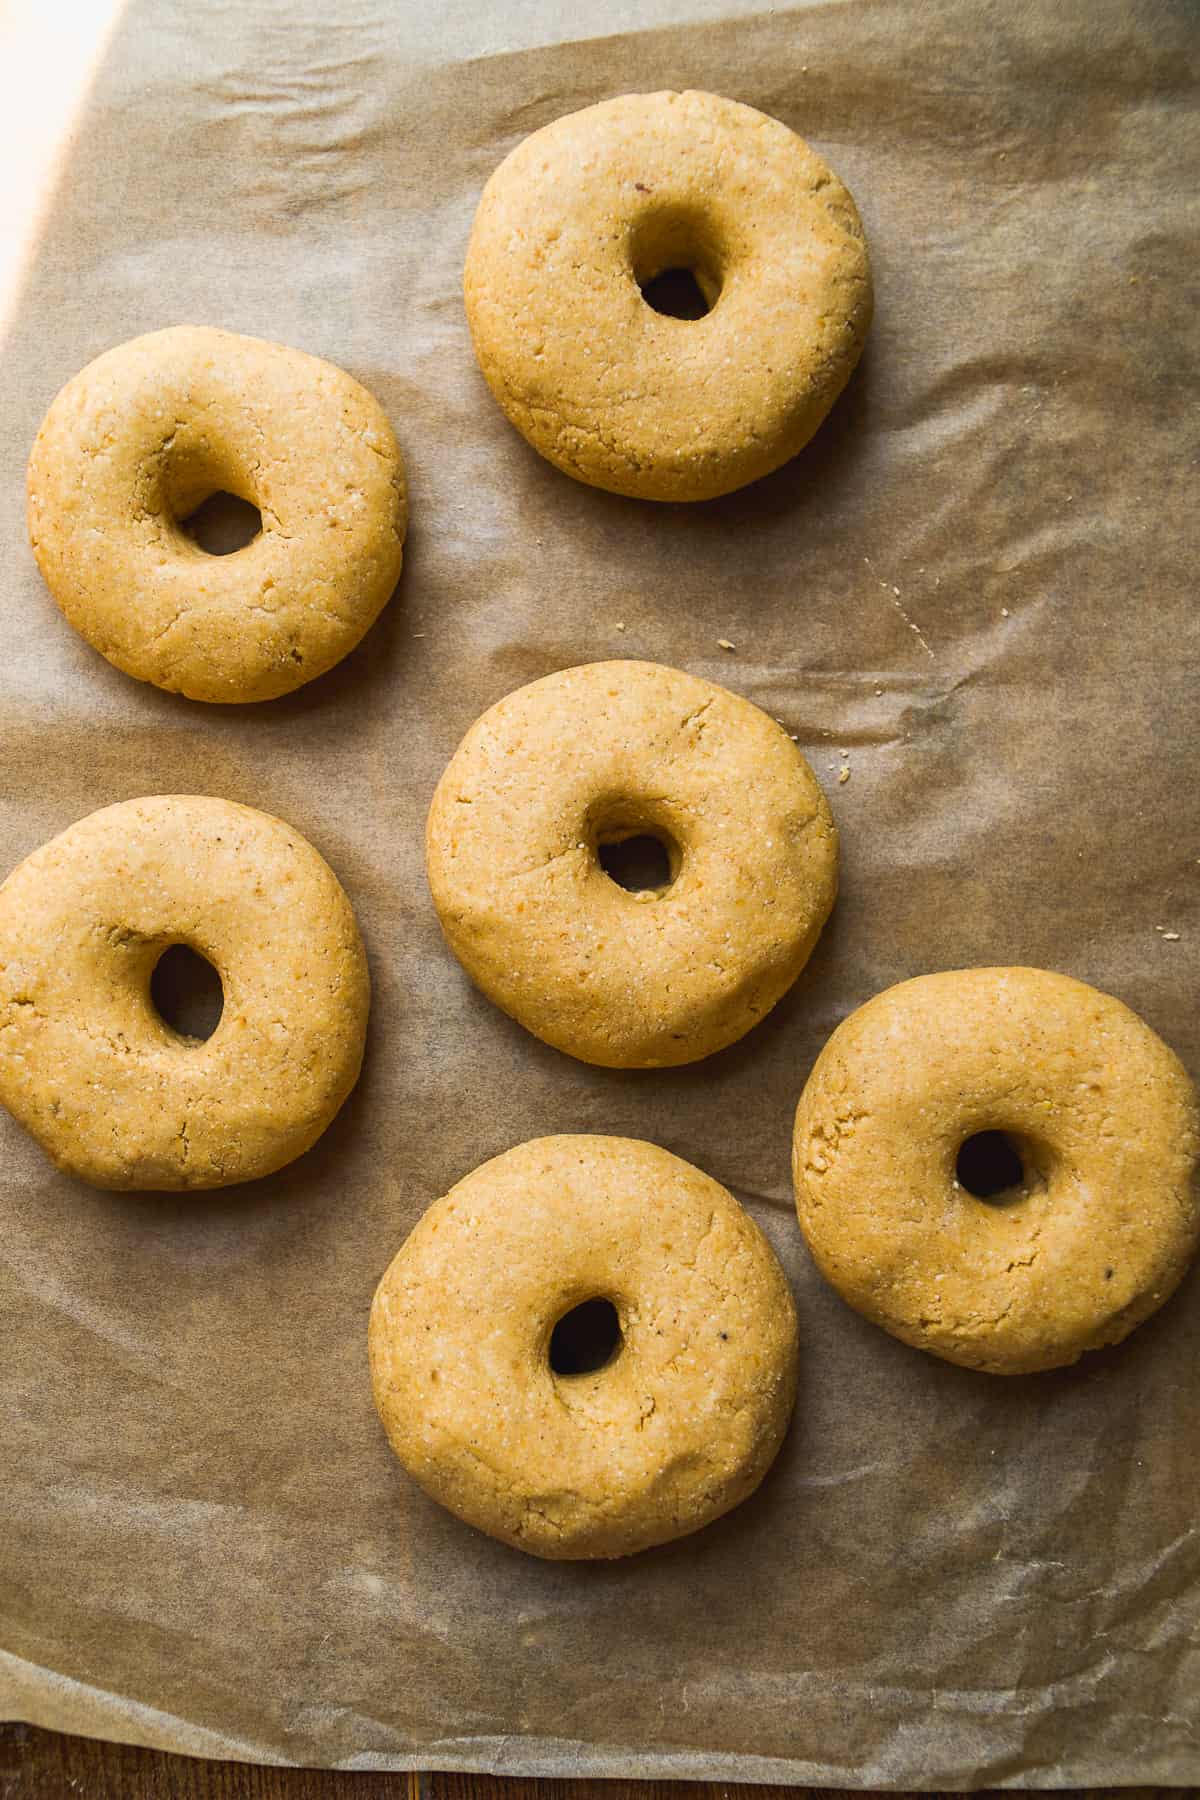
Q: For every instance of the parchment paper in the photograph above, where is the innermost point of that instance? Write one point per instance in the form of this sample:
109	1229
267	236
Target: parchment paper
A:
978	581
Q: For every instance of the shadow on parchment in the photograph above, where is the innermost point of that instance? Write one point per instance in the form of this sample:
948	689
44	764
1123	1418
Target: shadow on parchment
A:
812	483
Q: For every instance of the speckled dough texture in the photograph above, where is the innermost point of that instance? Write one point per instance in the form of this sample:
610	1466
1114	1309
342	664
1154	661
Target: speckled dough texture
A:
594	755
679	1426
629	399
1095	1237
141	436
87	1065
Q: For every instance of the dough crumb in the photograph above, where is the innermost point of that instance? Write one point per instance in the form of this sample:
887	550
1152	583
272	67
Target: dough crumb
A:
879	690
620	624
1170	937
843	776
1004	612
724	644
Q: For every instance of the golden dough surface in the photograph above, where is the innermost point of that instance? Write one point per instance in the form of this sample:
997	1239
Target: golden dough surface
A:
675	1429
592	208
562	769
139	438
109	1090
1104	1219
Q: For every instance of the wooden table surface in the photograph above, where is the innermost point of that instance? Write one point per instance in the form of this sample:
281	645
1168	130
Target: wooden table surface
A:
43	1765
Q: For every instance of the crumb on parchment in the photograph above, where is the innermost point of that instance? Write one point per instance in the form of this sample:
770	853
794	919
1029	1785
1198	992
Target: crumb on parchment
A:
724	644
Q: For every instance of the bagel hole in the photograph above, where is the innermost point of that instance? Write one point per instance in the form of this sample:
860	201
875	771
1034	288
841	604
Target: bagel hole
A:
991	1166
187	993
585	1339
677	294
641	863
676	260
222	524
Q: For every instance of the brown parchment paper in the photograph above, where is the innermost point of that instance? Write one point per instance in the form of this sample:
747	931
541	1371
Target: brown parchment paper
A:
978	581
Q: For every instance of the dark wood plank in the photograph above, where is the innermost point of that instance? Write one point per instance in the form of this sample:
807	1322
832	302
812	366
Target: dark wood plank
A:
45	1765
489	1787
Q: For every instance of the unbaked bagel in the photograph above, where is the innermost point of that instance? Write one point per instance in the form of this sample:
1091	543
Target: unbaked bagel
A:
581	217
679	1423
135	442
555	774
109	1090
1088	1231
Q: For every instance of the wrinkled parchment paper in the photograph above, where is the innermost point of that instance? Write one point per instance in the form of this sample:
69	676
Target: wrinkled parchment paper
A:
978	581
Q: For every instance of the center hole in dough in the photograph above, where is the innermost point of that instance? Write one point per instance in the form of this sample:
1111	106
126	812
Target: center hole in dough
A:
187	992
677	293
640	863
990	1167
677	258
586	1338
222	524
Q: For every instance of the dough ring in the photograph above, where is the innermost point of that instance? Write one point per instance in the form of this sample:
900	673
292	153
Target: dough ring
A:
87	1065
573	230
549	780
490	1369
996	1165
137	440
